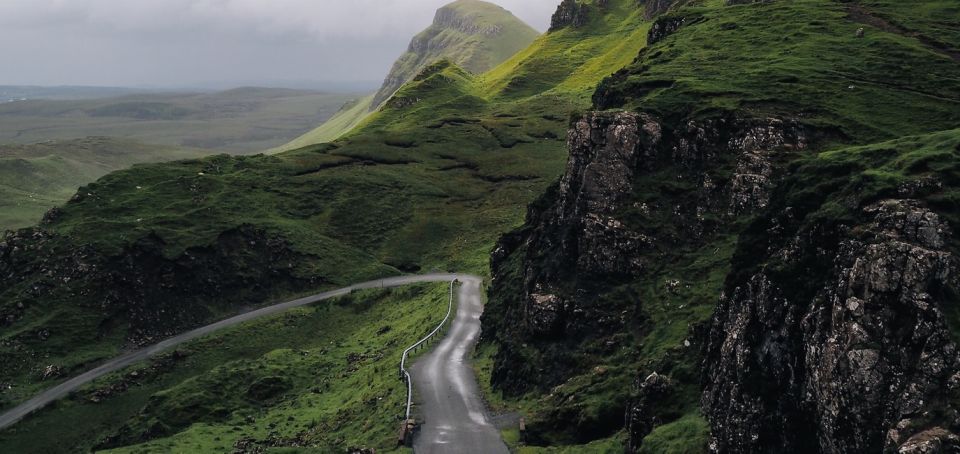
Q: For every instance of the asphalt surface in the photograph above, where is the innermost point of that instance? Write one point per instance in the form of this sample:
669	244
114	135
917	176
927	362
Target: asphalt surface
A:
455	419
17	413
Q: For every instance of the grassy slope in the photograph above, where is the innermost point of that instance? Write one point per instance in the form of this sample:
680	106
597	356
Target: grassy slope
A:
477	53
432	179
345	120
863	89
35	178
474	49
324	376
427	185
798	59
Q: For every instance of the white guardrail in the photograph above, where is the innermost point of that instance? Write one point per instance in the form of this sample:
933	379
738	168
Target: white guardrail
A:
404	374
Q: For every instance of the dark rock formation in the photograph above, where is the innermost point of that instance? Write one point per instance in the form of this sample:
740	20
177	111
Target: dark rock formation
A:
641	417
475	35
664	27
570	13
654	8
864	363
586	235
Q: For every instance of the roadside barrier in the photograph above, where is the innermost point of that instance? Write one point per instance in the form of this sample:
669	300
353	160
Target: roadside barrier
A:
404	374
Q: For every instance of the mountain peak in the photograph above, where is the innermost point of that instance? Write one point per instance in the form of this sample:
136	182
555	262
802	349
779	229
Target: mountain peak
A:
472	34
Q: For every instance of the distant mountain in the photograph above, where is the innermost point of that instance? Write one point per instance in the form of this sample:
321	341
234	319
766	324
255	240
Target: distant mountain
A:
473	34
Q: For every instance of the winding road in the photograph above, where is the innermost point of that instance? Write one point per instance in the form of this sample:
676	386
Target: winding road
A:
455	417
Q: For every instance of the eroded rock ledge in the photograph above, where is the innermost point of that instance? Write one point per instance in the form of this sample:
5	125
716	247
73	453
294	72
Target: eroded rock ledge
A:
865	365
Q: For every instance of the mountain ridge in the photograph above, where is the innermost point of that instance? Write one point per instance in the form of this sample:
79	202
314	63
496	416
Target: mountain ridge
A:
473	34
452	36
695	226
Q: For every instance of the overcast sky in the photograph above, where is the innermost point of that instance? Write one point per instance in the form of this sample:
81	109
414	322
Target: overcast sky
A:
214	42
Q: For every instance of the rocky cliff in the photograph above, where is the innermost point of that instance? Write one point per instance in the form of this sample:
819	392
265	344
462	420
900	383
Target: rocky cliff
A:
734	278
859	358
599	228
833	337
473	34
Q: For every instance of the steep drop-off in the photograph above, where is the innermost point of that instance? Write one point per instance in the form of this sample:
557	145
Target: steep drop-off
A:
427	182
751	247
720	267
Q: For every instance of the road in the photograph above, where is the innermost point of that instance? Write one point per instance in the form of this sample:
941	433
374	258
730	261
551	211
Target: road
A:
454	416
57	392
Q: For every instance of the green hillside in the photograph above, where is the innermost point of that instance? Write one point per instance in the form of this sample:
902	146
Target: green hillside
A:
35	178
634	342
428	182
453	161
473	34
347	118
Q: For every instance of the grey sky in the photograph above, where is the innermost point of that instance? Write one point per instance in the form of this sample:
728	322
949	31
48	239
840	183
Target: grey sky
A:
214	42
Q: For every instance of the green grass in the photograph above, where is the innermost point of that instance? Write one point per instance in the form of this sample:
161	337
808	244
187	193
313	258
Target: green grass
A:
803	60
612	445
35	178
572	60
434	177
325	375
476	50
349	116
789	59
934	20
683	436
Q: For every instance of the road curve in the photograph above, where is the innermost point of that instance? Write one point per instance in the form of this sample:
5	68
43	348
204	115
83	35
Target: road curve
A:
455	419
57	392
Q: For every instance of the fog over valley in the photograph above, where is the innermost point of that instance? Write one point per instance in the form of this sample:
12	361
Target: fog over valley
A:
216	43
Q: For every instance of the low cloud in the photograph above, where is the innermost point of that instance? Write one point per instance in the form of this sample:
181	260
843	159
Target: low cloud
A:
177	42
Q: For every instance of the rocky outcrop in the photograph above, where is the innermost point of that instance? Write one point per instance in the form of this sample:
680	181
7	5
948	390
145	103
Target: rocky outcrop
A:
641	417
606	151
664	27
451	19
588	233
654	8
570	13
863	363
473	34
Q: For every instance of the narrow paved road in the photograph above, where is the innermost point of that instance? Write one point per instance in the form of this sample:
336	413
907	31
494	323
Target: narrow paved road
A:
455	419
17	413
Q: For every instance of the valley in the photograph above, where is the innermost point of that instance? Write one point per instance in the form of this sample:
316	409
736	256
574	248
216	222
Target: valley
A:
238	121
717	226
51	147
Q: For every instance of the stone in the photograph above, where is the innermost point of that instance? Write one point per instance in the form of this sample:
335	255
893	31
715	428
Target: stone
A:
870	350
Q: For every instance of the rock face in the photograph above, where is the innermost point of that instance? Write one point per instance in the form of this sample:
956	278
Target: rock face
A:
592	231
570	13
473	34
581	230
641	418
654	8
664	27
864	363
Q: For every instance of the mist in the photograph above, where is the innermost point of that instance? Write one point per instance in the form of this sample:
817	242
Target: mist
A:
216	43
